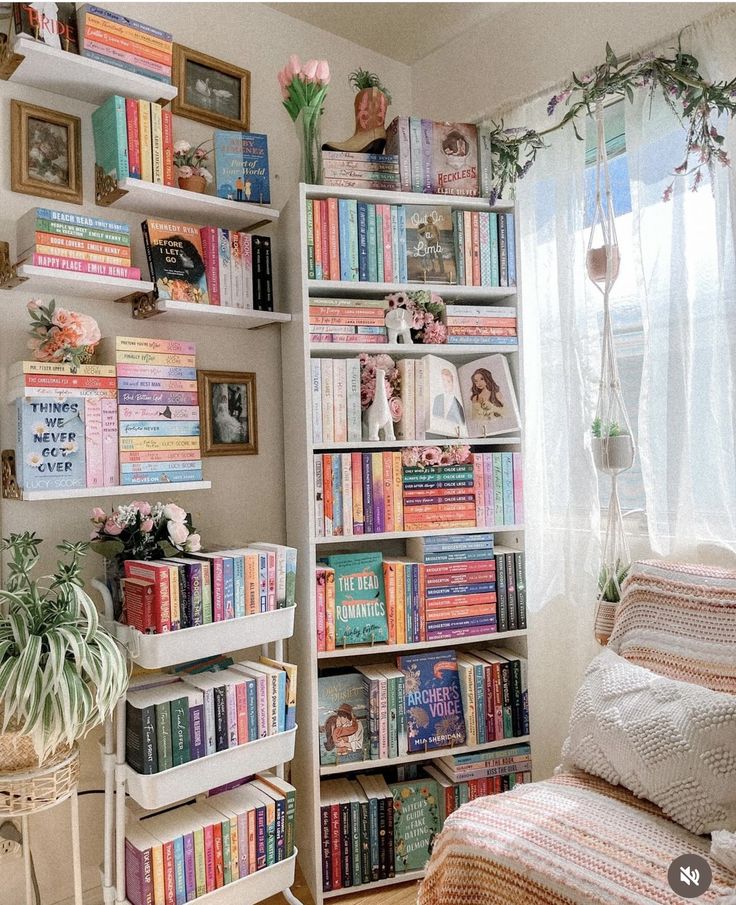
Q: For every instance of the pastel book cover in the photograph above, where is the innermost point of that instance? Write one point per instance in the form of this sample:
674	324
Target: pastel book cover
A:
430	254
343	718
241	166
416	822
454	154
110	133
176	260
434	706
360	598
50	443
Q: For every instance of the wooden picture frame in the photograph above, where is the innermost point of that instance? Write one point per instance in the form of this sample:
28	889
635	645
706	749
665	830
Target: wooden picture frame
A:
210	91
228	413
45	153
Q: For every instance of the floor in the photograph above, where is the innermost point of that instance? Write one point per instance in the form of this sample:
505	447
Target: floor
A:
404	894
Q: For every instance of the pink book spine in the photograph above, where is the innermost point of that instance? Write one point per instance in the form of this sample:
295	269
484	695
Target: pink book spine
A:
209	857
320	600
124	57
242	711
388	258
479	489
156	372
488	490
232	715
110	454
93	441
246	261
134	143
262	700
103	270
518	489
271	581
208	235
218	595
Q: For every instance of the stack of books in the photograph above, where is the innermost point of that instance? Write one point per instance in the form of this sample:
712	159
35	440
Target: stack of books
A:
481	325
183	719
209	266
155	447
485	248
67	426
122	42
347	320
172	594
361	171
180	855
443	496
464	777
134	139
460	597
72	242
440	158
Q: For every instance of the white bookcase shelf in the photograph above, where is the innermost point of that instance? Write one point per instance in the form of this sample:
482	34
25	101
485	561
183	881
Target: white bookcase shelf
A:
157	790
298	350
219	315
74	76
48	281
33	496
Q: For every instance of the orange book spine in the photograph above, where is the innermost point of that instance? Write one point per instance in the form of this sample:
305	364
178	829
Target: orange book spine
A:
439	493
319	271
167	131
441	509
334	234
389	581
102	36
388	492
101	248
327	494
431	523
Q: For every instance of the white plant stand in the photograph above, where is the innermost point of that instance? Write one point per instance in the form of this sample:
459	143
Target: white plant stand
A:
187	781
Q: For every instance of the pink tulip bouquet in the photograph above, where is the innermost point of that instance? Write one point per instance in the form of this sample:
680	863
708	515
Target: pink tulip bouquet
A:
139	530
431	456
62	336
303	89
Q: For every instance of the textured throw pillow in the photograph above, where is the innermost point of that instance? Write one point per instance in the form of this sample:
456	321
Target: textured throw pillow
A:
670	742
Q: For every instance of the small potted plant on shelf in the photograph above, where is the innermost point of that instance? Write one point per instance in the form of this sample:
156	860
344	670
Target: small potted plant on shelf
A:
610	580
60	335
613	448
189	161
139	530
371	104
61	673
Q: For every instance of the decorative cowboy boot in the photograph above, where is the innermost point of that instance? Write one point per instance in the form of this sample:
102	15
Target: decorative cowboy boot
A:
369	137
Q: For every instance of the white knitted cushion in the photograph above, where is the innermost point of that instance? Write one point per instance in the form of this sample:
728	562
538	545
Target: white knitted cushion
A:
670	742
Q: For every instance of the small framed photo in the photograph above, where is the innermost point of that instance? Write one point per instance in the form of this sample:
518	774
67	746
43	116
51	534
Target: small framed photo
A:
227	404
210	90
45	153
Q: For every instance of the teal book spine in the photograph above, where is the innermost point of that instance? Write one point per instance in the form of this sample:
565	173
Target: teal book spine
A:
508	488
159	428
228	586
180	870
371	242
291	557
495	271
110	133
379	246
282	701
480	701
485	248
498	489
180	753
310	239
353	241
227	864
252	705
344	239
239	581
163	736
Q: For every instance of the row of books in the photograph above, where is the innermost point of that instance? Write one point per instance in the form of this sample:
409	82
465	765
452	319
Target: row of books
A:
208	265
187	591
98	34
356	170
447	587
375	493
180	855
134	139
60	240
168	449
343	320
440	158
373	830
422	702
178	720
485	248
481	324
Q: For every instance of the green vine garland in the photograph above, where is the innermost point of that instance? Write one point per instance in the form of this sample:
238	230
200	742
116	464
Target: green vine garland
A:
687	93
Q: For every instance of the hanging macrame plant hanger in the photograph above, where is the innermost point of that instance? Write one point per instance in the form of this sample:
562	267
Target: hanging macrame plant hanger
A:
612	439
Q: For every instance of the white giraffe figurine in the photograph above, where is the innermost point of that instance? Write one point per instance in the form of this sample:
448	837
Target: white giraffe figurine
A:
378	414
398	326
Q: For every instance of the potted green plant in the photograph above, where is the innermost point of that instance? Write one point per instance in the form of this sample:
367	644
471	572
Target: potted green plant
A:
61	673
372	100
613	447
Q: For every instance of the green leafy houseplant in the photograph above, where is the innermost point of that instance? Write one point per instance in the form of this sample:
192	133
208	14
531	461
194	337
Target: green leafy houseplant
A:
361	79
61	673
599	429
610	580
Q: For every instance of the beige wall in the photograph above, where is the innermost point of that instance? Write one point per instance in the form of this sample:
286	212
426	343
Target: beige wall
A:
247	497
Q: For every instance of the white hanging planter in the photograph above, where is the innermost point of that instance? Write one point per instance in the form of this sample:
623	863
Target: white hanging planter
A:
596	263
613	455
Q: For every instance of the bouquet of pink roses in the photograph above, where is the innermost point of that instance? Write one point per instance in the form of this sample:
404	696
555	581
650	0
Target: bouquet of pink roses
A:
60	335
139	530
429	456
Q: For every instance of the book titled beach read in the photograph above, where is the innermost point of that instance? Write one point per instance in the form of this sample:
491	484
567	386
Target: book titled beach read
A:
241	166
360	598
434	706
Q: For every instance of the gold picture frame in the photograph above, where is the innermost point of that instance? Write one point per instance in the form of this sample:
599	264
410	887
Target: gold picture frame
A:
228	413
210	91
45	153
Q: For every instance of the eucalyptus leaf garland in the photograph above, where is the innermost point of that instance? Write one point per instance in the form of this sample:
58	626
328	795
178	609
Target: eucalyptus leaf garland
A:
696	102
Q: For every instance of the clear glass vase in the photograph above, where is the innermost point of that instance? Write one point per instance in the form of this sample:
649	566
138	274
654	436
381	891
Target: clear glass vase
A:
309	133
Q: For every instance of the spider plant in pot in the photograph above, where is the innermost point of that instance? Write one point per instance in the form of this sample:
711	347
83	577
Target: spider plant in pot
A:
613	448
61	673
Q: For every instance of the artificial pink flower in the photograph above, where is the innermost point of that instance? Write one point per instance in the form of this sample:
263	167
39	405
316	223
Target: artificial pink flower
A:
417	320
175	513
193	544
178	533
323	72
98	515
309	70
430	455
112	527
447	459
434	334
282	77
396	408
89	332
33	305
294	66
410	456
462	454
142	506
147	525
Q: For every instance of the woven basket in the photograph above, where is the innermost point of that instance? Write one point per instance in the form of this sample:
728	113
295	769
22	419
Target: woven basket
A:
28	791
16	750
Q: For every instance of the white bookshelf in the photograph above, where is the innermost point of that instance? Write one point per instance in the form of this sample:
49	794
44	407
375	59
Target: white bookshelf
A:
50	281
35	496
297	352
218	315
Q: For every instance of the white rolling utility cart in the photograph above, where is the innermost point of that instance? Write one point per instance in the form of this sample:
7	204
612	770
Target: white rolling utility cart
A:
181	784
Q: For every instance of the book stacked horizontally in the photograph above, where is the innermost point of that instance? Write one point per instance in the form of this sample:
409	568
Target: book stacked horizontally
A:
440	496
119	41
134	139
198	848
459	584
199	588
363	171
485	248
347	320
67	426
481	325
158	412
76	243
184	719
